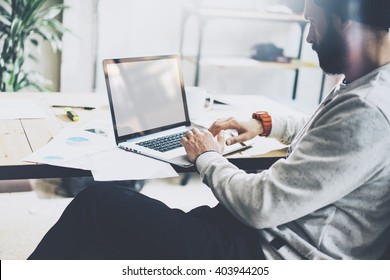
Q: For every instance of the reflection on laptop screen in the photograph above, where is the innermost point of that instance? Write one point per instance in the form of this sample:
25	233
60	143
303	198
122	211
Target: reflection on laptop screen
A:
146	94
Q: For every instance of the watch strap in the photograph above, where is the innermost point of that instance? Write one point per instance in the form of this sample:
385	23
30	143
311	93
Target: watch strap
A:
265	120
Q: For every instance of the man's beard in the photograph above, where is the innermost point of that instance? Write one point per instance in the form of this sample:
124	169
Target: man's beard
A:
332	52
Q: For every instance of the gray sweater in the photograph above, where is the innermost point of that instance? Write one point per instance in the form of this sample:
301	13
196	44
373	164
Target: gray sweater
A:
330	199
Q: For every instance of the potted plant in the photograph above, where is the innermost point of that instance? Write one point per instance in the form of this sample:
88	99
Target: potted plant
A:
22	24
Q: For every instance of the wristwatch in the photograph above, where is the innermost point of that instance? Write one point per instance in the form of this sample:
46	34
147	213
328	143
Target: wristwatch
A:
265	120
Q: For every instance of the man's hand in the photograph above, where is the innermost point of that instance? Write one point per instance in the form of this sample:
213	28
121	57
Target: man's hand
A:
197	142
246	130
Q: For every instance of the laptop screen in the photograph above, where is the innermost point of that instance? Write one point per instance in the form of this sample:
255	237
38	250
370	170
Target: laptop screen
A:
146	94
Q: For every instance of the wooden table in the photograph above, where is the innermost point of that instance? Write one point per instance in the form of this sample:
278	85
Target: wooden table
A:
21	137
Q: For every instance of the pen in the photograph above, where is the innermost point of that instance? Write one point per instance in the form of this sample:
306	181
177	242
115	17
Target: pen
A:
71	114
79	107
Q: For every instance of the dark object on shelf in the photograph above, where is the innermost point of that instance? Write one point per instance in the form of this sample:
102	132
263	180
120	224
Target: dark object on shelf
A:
266	52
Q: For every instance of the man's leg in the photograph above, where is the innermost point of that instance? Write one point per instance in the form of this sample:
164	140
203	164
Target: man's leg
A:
111	222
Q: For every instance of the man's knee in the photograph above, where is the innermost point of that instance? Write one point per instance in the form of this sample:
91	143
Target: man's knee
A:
104	190
103	194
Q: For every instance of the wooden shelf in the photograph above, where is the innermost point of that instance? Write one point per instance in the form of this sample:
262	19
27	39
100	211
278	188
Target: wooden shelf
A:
240	61
204	15
247	14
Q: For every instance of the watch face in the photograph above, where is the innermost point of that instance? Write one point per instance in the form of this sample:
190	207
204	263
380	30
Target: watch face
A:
259	114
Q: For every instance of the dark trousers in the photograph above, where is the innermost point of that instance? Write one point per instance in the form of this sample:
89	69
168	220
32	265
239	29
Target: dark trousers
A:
114	222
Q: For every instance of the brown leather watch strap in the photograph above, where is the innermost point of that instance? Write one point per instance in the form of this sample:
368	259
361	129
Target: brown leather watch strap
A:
265	120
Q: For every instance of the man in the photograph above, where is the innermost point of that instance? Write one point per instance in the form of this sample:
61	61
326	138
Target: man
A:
328	200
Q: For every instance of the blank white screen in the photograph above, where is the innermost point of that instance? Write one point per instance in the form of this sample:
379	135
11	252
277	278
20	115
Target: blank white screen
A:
146	94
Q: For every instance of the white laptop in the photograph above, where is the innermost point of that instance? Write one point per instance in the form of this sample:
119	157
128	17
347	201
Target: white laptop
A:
148	106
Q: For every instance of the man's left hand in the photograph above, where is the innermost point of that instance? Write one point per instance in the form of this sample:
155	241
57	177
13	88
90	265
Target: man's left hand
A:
198	142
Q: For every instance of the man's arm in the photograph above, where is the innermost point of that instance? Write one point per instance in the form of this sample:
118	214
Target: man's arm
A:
246	130
325	166
284	128
198	142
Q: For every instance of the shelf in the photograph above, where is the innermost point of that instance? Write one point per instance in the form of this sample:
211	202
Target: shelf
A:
204	15
237	61
246	14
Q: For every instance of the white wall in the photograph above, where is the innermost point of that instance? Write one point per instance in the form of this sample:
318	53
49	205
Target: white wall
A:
79	53
138	27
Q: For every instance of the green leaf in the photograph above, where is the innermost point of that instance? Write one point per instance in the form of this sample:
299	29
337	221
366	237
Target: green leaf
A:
56	26
52	13
15	29
32	9
5	34
5	8
4	20
19	21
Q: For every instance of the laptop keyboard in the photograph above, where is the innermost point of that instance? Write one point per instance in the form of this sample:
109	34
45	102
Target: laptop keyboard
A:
164	144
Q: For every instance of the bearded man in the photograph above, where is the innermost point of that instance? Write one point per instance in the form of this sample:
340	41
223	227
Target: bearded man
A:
329	199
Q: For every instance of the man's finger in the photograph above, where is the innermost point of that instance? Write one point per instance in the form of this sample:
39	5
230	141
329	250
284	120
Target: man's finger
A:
221	124
189	134
195	130
236	139
184	140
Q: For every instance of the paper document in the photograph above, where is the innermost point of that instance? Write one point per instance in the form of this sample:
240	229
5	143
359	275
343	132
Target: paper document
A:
261	147
117	164
20	108
76	148
68	145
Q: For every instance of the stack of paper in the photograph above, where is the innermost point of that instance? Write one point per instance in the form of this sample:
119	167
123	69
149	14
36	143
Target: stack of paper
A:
77	148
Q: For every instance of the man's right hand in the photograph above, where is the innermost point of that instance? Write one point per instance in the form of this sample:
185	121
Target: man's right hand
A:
246	130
